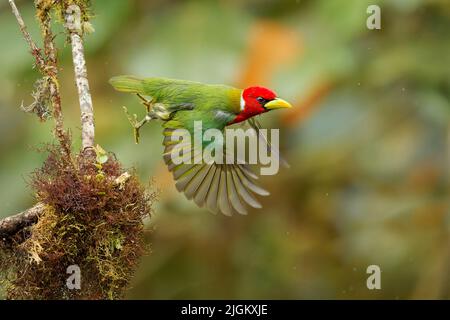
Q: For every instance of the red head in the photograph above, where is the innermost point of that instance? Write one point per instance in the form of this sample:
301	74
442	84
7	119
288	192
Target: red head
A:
257	100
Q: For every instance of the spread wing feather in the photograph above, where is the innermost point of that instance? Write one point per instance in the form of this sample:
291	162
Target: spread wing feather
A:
225	188
256	125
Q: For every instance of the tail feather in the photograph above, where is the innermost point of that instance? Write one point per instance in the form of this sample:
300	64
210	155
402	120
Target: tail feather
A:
128	84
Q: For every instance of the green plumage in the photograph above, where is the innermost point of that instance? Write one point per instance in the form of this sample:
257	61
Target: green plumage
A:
178	103
186	101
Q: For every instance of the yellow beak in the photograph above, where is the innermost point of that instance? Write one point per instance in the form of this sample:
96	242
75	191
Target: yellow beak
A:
277	104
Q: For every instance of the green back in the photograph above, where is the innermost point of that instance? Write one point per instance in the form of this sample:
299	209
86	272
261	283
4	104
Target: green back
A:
214	105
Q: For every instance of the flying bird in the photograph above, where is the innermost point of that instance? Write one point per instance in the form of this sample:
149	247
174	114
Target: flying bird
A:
220	187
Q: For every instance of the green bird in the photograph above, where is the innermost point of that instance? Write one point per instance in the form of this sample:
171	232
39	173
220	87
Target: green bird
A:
221	187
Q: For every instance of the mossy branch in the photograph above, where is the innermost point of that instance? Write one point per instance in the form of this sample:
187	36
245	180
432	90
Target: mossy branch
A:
89	209
47	92
11	225
48	89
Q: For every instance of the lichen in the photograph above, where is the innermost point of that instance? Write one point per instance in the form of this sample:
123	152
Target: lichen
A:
44	8
93	218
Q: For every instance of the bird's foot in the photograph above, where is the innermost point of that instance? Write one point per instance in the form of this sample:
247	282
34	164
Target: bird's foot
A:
136	124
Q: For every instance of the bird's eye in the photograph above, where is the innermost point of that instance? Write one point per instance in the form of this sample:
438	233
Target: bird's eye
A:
260	99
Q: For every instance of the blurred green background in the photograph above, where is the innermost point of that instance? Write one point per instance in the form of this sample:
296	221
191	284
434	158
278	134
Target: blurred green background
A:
367	141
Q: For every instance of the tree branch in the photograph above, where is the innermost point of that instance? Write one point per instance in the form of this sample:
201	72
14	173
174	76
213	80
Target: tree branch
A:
11	225
73	25
51	71
35	51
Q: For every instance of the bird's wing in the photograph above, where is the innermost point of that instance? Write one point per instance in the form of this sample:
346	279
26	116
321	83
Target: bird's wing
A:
225	188
256	125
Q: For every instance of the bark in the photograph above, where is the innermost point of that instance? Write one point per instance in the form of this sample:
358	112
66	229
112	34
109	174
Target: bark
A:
11	225
73	25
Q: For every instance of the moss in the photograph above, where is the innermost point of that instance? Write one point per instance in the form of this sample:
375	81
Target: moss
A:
44	9
93	218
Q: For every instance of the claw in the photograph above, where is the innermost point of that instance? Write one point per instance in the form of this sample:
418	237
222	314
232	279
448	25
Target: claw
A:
135	123
133	119
137	127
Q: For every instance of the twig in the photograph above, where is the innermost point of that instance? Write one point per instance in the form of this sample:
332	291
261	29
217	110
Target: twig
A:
11	225
48	67
73	25
35	51
52	72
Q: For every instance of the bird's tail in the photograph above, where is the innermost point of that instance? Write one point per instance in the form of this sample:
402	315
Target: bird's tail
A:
127	84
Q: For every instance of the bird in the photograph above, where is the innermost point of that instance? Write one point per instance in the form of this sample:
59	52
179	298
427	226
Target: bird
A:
227	188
